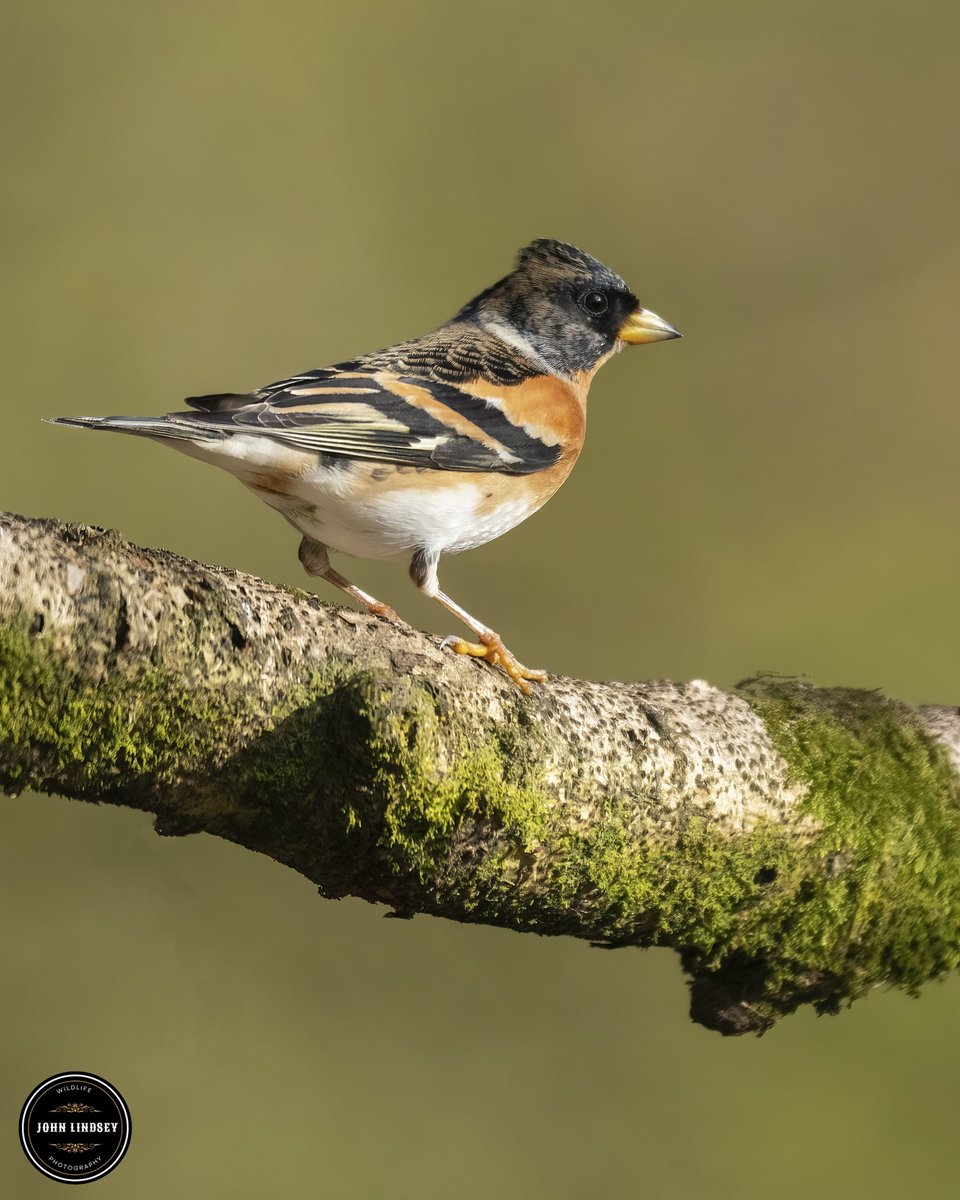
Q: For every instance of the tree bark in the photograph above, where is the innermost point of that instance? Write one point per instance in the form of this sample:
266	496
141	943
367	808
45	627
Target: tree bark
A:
794	844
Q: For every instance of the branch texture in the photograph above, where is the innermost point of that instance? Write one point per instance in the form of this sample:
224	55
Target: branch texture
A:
793	844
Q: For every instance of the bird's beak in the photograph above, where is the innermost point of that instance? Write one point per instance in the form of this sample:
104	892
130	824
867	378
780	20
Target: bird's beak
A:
645	326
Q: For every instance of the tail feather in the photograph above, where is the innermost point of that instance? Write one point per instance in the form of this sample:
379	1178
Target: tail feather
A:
155	427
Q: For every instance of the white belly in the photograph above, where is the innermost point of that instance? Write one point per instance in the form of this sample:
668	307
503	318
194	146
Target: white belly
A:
395	523
358	510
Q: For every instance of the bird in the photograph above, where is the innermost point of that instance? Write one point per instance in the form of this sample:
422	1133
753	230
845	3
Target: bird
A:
434	445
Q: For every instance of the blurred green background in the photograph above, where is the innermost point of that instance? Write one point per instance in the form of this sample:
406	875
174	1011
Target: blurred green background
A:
205	197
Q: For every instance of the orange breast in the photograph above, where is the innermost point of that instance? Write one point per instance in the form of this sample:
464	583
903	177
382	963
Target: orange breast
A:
544	407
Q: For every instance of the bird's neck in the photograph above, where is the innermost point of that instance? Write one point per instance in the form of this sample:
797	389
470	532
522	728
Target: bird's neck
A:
581	380
516	341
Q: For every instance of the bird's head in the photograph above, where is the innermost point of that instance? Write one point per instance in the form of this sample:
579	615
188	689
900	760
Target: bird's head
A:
564	308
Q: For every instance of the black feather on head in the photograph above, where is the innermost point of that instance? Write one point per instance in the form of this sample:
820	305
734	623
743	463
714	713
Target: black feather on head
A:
564	304
548	252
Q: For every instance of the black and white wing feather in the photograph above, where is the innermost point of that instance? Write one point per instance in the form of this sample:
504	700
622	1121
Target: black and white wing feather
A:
354	412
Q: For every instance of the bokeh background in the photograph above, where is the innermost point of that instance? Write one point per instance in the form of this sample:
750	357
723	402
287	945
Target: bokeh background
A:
208	196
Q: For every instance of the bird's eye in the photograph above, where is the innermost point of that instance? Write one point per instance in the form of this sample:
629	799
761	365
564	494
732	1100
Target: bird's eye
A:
594	303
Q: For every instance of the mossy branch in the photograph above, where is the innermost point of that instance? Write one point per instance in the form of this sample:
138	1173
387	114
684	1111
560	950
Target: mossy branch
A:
795	845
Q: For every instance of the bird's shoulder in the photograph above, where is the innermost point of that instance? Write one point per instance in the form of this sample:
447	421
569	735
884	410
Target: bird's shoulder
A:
459	352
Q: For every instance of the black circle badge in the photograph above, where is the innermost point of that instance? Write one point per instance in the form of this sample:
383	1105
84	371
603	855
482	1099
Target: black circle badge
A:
75	1127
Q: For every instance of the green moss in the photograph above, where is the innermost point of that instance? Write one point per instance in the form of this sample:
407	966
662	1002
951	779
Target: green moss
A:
95	736
425	786
874	895
370	792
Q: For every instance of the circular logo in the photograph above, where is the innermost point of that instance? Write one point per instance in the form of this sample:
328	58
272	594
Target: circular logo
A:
75	1127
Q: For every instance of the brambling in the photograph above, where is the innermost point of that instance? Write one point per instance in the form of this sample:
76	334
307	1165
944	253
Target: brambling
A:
432	446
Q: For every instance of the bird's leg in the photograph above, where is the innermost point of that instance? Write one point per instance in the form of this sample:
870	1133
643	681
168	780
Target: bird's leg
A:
316	561
489	646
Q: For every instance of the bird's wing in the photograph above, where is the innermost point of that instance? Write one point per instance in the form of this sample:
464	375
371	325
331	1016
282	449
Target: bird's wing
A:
358	411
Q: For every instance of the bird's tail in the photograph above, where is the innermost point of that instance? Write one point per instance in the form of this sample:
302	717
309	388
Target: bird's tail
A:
172	427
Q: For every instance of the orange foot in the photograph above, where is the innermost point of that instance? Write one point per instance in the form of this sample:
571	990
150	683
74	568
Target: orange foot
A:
494	651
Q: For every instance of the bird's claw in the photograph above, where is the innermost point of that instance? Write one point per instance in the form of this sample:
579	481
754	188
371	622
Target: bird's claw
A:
492	649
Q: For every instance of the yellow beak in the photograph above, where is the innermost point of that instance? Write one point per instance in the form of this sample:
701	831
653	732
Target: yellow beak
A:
645	326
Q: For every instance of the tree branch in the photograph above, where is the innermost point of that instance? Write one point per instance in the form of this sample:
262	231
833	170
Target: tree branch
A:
795	845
